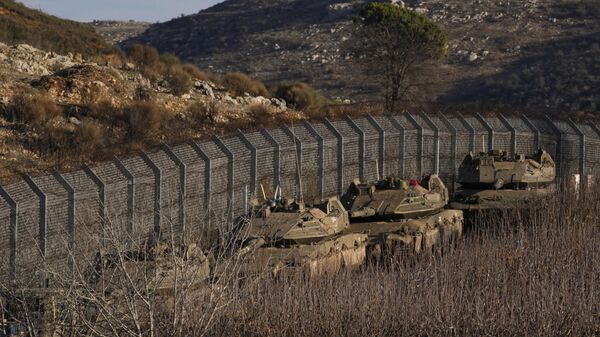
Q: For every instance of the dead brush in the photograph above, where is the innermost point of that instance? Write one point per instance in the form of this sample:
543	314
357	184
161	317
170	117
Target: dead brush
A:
521	272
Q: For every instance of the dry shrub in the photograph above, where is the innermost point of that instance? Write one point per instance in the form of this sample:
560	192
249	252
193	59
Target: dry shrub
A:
195	72
87	138
179	81
147	60
300	96
104	110
169	60
203	112
151	73
53	139
143	93
358	109
34	108
143	56
116	59
143	120
239	84
261	114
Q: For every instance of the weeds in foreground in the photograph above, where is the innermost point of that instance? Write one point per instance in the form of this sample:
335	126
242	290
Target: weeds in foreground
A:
517	273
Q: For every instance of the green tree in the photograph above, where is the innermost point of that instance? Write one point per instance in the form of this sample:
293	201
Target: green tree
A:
396	45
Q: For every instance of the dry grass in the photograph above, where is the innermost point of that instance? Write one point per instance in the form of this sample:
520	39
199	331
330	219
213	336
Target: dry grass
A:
517	273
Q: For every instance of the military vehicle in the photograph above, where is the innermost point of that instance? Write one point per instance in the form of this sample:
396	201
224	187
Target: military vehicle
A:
155	269
286	233
495	180
399	214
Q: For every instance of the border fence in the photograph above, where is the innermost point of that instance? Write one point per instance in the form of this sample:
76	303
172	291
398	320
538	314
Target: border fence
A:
198	188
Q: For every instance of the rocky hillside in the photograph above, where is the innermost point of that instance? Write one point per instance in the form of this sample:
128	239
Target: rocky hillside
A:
525	53
60	112
19	24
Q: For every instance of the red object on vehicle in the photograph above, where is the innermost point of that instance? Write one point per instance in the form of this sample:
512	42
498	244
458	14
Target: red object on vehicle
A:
414	182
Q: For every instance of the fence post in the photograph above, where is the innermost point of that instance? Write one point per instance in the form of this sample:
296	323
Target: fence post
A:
182	187
595	128
436	140
71	213
275	143
130	193
535	130
14	228
489	128
43	225
420	141
513	132
454	142
230	179
102	213
340	156
597	131
254	165
381	155
402	150
361	148
157	191
471	130
559	156
207	178
298	146
582	140
321	156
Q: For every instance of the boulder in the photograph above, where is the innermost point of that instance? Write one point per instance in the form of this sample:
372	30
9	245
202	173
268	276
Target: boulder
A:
473	57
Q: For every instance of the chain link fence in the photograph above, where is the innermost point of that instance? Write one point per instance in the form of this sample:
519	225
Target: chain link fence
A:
196	190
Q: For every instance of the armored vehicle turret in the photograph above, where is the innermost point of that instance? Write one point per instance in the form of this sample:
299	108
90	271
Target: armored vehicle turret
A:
496	180
284	232
395	198
404	214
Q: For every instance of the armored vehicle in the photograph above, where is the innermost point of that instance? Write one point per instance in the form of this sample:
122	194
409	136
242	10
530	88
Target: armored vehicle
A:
495	180
403	214
395	198
285	233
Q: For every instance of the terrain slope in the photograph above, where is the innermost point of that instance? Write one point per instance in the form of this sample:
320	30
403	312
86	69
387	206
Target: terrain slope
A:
536	54
20	24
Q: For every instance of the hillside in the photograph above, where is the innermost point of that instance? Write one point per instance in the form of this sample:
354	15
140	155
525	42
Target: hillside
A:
537	54
19	24
61	112
118	31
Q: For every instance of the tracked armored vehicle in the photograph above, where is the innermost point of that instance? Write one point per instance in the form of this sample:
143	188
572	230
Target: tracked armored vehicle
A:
285	233
495	180
398	214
